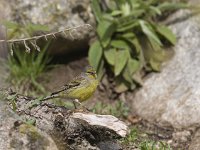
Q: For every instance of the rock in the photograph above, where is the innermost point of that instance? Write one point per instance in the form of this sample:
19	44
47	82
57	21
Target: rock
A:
171	98
3	74
4	14
3	45
195	145
181	139
57	15
5	10
109	145
15	134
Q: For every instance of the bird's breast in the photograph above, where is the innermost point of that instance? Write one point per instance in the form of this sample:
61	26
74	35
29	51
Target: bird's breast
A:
84	92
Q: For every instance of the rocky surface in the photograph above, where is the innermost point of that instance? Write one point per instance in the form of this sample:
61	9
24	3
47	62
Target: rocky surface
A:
57	15
16	134
171	98
3	74
3	45
195	144
5	11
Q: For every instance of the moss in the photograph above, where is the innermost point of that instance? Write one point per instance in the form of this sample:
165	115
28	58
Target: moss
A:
34	137
31	131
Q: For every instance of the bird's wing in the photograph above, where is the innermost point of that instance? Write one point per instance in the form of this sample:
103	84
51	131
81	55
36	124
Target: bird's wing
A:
75	82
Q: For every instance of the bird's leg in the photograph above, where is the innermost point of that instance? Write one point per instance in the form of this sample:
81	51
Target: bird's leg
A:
76	101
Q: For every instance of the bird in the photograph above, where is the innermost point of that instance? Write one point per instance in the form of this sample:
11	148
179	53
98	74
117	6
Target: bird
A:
80	88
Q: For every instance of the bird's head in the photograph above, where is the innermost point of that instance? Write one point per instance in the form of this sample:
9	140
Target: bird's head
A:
90	72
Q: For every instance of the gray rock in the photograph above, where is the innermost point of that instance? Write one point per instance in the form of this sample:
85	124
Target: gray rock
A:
171	98
3	45
5	10
195	144
55	13
3	74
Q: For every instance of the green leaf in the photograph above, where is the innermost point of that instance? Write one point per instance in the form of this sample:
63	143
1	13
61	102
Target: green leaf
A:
120	44
11	25
137	78
172	6
137	45
148	31
127	75
97	10
128	26
132	38
154	46
138	13
110	56
133	65
156	10
156	65
100	70
121	87
153	51
121	57
129	35
167	33
108	17
116	13
95	54
105	30
126	9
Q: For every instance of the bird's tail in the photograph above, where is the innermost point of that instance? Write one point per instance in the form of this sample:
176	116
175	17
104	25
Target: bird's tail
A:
52	96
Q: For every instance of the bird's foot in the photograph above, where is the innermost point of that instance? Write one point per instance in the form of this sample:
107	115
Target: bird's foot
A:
76	101
83	108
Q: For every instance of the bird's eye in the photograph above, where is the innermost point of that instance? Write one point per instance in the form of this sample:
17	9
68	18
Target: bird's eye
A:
91	72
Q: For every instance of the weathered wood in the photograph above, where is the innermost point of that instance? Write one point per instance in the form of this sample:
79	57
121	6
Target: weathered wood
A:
106	121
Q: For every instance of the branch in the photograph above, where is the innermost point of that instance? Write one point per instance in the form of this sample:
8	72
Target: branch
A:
32	40
45	36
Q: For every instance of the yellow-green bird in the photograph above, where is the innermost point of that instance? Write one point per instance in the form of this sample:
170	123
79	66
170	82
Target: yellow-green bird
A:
80	89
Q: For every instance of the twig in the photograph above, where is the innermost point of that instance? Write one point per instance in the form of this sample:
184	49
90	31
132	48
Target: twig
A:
45	35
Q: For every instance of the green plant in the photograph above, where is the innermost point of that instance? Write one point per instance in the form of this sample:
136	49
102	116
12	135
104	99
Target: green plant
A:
25	68
130	39
118	109
12	99
152	145
131	137
16	30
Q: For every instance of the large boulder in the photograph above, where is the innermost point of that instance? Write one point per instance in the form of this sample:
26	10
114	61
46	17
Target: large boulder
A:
172	97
